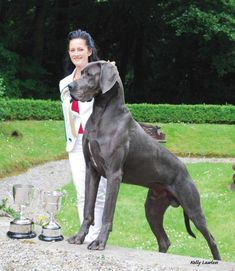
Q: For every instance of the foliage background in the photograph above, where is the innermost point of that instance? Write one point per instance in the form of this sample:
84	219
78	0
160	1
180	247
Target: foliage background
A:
167	51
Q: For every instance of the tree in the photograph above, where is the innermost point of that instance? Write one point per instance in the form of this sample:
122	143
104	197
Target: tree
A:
167	51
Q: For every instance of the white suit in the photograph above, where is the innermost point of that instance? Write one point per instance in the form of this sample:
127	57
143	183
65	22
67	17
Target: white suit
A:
74	124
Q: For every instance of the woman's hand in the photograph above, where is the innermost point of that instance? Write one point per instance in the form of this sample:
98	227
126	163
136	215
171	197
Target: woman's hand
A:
112	62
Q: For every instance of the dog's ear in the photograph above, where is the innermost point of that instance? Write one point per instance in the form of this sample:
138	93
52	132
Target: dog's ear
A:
108	76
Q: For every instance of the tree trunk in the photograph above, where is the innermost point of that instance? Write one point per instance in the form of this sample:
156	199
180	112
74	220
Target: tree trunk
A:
40	14
138	83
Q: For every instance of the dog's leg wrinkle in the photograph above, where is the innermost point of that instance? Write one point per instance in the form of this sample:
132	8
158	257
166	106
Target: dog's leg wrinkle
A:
155	207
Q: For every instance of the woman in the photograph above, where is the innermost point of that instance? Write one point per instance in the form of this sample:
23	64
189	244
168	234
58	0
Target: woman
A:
81	50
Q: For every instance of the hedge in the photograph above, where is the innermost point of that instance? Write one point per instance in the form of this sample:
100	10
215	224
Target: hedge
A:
200	113
26	109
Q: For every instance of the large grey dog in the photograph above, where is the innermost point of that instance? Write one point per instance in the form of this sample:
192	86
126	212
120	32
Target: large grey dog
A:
116	147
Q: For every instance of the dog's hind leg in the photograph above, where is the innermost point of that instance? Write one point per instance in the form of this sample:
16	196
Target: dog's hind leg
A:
189	199
155	207
200	223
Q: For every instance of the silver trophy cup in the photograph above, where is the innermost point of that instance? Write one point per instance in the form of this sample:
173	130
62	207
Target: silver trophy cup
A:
51	231
22	227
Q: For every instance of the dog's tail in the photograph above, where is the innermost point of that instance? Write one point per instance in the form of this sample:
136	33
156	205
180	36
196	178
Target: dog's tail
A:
187	225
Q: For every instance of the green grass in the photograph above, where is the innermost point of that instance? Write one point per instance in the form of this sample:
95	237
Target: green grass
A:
209	140
38	142
132	230
42	141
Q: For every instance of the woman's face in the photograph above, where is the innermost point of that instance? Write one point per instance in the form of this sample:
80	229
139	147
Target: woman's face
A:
79	52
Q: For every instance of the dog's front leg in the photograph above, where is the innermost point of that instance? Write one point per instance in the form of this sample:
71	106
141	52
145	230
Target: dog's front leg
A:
91	188
112	190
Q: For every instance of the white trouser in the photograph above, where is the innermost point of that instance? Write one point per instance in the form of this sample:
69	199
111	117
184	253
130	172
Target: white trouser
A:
78	168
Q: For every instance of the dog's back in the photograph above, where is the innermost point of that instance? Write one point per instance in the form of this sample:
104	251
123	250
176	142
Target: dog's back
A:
148	161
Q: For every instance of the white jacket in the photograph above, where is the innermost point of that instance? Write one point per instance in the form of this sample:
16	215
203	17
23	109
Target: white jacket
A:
72	119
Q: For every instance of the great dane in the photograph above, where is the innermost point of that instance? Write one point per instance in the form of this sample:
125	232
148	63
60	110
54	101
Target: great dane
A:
116	147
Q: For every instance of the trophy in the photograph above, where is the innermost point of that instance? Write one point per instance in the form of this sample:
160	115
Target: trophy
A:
51	202
22	227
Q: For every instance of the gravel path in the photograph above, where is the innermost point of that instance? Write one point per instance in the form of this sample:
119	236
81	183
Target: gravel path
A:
42	256
205	160
46	176
36	257
49	176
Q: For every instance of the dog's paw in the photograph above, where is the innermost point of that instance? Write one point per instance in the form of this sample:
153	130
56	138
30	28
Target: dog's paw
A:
96	245
76	239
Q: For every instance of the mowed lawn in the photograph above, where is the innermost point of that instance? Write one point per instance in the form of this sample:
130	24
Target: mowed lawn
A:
208	140
27	143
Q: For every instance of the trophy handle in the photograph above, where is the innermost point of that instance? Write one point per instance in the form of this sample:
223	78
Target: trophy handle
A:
41	198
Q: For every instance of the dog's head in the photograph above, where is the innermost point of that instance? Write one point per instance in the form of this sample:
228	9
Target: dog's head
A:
96	78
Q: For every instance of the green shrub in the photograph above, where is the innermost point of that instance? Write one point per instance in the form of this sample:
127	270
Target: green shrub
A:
26	109
166	113
23	109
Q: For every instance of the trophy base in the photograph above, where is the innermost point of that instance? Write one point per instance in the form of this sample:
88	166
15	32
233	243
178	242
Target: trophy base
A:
21	229
17	235
51	232
50	238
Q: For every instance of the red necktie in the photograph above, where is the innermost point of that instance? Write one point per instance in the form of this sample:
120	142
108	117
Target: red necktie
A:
75	108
